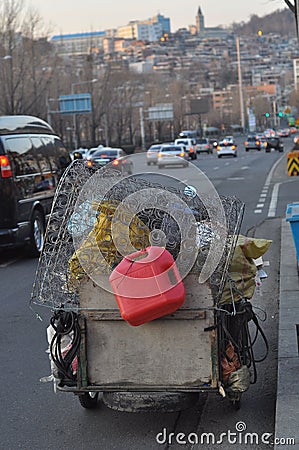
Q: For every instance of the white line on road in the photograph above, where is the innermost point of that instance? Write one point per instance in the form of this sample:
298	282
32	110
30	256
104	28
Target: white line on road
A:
216	168
260	205
236	178
274	199
270	174
244	167
263	195
257	211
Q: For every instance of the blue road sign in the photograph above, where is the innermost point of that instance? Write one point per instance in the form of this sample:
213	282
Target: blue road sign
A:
75	103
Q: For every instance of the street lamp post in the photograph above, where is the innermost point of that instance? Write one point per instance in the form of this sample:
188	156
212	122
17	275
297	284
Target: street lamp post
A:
240	85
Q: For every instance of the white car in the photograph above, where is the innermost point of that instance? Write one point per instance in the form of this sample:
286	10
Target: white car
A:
91	151
152	154
226	148
189	145
172	155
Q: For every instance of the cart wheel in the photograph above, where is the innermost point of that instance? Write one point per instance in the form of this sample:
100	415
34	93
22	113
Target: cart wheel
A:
89	400
150	401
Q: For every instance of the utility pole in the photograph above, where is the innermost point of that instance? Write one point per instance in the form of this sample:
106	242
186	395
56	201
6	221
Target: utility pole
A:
240	85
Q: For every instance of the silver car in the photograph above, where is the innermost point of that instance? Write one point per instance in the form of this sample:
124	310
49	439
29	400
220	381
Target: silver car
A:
172	155
152	154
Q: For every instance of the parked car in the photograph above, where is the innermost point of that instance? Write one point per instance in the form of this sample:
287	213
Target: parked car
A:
152	154
275	143
203	146
32	160
172	155
252	143
226	148
189	146
116	156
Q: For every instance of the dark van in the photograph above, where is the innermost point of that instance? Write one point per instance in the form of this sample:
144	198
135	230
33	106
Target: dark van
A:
32	159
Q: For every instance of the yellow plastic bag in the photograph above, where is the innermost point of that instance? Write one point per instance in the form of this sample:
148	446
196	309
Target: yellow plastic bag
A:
242	270
98	252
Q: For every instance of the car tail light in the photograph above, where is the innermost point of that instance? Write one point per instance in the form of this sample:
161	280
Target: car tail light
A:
257	142
218	147
206	146
233	147
246	143
6	171
182	154
115	162
89	163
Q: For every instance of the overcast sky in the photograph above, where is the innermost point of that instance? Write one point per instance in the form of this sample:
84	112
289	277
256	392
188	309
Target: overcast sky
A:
70	16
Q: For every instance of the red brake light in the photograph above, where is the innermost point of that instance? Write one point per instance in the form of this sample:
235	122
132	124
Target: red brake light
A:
6	171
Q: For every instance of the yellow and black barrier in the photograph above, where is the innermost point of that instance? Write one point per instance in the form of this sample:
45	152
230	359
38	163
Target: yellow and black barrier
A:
293	163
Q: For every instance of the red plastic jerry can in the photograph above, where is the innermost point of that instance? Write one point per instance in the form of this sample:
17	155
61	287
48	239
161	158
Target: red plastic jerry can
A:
147	285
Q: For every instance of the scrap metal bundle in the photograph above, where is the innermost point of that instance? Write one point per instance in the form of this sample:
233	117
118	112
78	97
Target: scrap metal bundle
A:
97	218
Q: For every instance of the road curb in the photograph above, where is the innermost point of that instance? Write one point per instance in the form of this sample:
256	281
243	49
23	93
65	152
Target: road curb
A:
287	411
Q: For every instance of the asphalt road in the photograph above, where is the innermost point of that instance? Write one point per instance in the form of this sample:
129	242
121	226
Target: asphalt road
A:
33	417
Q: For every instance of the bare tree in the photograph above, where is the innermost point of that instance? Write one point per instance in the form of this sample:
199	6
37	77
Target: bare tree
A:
26	64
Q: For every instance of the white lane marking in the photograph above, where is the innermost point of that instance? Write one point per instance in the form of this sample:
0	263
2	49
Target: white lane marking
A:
274	199
260	205
226	164
270	174
263	195
236	178
257	211
244	167
216	168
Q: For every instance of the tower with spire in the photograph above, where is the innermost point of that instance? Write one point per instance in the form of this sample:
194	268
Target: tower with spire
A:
200	21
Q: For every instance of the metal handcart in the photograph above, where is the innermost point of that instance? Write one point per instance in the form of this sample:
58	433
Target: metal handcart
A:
161	364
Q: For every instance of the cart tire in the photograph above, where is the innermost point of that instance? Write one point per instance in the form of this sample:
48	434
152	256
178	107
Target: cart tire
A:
89	400
150	401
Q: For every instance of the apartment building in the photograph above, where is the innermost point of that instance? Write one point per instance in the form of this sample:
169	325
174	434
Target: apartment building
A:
78	43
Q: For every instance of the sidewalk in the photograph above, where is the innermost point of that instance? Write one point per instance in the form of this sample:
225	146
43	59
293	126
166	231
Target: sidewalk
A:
287	404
